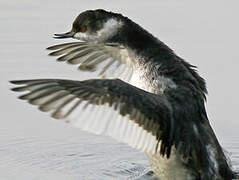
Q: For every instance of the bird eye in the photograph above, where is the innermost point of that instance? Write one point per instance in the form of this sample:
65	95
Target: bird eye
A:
83	28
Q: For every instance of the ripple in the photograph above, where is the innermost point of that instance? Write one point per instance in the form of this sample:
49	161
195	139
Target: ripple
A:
40	157
69	158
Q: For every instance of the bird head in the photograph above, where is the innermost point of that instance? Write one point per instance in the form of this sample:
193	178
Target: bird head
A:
94	25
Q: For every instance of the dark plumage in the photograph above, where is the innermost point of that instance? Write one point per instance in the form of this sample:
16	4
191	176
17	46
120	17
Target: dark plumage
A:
165	104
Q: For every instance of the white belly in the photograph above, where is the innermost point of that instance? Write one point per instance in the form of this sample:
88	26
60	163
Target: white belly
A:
169	169
165	169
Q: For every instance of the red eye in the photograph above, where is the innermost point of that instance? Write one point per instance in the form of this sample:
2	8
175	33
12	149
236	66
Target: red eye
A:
83	28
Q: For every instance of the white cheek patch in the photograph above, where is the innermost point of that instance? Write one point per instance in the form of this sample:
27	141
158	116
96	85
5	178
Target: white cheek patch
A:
84	36
109	29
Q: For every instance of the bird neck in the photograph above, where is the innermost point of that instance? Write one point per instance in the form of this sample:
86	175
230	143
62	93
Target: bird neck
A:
143	43
158	59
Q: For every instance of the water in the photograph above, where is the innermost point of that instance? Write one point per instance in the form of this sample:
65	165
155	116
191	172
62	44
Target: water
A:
82	157
75	157
34	147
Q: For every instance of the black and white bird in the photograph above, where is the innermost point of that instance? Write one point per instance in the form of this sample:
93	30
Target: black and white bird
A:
147	97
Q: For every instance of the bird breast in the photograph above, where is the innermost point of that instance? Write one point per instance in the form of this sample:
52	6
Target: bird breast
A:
147	78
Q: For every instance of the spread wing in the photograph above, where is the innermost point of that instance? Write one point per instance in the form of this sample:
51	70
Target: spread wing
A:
141	119
113	58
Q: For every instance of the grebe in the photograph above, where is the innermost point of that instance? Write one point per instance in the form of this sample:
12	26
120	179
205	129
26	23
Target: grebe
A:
158	102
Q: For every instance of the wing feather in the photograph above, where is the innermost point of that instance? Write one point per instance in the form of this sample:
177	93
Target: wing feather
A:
90	55
68	50
142	113
59	46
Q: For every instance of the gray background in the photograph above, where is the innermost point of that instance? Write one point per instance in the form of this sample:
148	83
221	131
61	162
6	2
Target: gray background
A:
205	33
